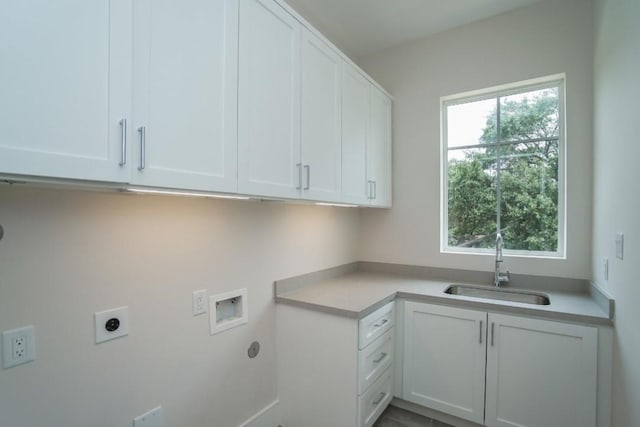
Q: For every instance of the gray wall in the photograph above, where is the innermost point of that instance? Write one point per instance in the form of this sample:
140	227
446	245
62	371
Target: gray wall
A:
617	189
546	38
67	254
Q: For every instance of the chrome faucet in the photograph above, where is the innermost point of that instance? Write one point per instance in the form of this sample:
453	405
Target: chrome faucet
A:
499	277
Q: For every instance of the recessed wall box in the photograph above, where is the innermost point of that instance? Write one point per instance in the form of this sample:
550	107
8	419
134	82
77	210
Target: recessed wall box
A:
228	310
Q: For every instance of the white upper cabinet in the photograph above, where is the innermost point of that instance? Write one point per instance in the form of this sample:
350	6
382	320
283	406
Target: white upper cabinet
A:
269	162
379	148
355	116
232	96
366	141
185	99
64	88
320	109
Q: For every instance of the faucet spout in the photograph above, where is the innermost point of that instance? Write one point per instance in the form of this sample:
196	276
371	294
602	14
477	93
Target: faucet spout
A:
499	277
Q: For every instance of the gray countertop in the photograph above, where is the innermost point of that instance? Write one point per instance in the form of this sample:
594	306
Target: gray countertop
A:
355	294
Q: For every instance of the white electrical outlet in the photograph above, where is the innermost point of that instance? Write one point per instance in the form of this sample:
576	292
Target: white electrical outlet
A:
19	346
199	302
153	418
111	324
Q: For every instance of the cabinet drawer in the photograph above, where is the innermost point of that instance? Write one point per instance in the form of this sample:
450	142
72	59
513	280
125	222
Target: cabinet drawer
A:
375	400
374	325
374	360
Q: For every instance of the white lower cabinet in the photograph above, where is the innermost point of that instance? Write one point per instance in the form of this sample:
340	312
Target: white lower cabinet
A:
328	375
375	400
538	373
444	359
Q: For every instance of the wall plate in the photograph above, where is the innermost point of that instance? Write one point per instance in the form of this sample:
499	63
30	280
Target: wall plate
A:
18	346
199	302
153	418
111	324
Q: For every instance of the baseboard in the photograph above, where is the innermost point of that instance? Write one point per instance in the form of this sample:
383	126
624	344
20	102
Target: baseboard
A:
269	416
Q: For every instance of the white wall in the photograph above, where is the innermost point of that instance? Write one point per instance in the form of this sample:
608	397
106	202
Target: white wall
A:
67	254
617	189
546	38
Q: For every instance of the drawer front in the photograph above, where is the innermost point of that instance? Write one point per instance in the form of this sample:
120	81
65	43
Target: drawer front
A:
374	360
374	325
374	401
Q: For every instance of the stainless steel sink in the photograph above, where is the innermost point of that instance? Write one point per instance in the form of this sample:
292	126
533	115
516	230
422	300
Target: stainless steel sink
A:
498	294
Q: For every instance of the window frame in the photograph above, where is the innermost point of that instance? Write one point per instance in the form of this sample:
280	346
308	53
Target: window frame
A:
556	80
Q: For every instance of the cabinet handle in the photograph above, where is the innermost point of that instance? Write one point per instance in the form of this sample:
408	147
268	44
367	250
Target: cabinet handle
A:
379	399
379	359
481	332
308	169
382	322
299	166
369	190
375	190
143	147
492	333
123	142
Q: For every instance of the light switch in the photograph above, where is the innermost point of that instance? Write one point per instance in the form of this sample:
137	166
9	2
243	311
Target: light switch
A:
199	302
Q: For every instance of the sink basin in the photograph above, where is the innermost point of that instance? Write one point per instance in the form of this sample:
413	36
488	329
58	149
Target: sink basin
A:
498	294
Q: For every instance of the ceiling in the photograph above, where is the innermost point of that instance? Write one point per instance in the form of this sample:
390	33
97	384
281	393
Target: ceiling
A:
362	27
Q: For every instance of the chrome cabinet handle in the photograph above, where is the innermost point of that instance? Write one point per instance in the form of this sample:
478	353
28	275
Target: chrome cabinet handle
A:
369	190
492	333
299	166
379	359
308	169
123	142
375	190
379	399
143	147
481	332
382	322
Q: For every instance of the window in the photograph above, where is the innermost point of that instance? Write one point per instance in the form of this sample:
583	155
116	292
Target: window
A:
503	169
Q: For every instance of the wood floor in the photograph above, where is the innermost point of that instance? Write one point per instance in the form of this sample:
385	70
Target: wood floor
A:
396	417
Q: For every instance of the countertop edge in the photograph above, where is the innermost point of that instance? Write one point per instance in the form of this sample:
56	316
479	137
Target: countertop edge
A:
519	310
283	290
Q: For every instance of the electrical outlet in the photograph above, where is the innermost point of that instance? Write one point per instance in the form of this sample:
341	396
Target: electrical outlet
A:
199	302
18	346
111	324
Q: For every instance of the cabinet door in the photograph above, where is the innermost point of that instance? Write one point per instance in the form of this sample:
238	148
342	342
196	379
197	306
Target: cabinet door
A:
321	150
185	67
355	115
379	148
64	88
540	373
444	359
269	101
